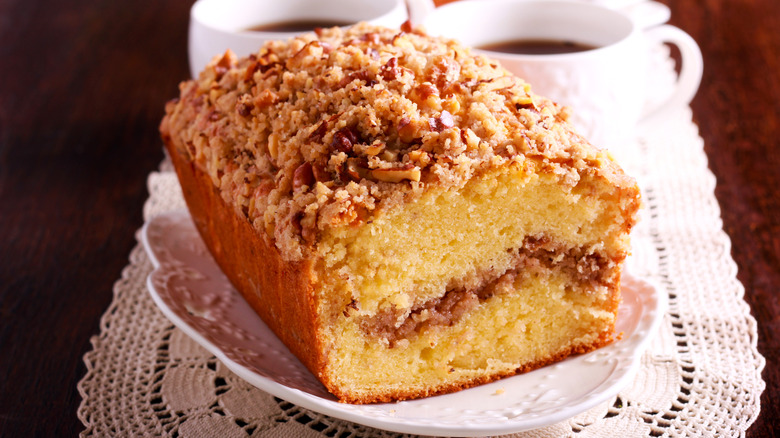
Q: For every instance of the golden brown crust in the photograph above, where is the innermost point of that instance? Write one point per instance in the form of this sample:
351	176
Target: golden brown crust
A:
280	292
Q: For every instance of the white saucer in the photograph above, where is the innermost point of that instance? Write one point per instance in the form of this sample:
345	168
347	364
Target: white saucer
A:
193	293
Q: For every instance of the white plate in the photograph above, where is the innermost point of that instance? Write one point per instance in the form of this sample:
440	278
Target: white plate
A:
194	294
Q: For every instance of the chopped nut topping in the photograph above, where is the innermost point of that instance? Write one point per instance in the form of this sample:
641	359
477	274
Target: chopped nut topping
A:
390	70
356	169
244	106
273	146
374	149
442	122
397	175
422	158
303	176
319	132
266	98
332	127
360	75
343	140
497	83
406	130
371	38
320	172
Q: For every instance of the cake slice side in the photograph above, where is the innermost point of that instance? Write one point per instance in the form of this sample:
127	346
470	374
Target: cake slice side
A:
280	292
510	273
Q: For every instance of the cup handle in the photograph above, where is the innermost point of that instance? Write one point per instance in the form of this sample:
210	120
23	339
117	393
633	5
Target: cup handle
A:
691	68
419	10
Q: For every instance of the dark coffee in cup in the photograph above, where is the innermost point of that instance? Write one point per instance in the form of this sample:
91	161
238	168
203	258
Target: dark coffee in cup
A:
537	47
297	25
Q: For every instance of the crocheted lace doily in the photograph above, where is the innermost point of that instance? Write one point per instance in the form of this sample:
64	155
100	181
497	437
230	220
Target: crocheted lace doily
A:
701	375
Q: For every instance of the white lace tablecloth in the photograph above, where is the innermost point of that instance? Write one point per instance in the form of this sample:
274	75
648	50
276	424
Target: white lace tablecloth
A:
700	377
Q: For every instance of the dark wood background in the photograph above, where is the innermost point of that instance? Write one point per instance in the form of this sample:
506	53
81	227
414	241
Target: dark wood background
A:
82	87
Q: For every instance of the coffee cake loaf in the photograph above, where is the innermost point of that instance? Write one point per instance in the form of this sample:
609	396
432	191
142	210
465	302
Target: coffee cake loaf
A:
408	217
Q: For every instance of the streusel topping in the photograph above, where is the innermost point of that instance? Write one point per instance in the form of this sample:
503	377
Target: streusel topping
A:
333	127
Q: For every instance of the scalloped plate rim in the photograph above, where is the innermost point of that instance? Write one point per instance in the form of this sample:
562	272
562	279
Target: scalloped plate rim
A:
361	414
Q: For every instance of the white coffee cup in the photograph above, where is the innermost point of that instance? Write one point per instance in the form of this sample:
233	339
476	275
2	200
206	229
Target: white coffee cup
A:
605	87
218	25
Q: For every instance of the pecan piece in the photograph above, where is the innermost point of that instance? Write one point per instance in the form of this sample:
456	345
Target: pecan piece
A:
326	47
371	38
312	48
222	66
443	72
425	90
250	70
497	83
244	105
267	62
422	158
397	174
266	98
525	102
374	149
319	132
303	176
320	172
343	140
356	169
244	109
360	75
390	70
442	122
273	147
406	130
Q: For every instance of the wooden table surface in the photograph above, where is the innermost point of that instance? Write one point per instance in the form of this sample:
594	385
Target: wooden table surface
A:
82	87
